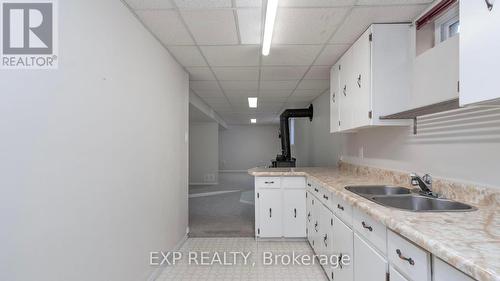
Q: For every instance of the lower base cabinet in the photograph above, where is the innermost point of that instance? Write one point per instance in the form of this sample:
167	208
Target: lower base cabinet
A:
395	275
342	246
270	217
369	265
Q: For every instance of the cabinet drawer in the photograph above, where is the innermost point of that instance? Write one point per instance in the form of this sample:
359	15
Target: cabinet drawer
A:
373	231
325	196
267	182
293	182
445	272
342	209
309	185
408	258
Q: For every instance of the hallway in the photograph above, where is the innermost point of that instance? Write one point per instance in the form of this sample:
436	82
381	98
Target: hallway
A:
223	210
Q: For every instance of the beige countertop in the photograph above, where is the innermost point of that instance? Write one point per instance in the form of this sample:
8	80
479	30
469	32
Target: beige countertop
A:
470	241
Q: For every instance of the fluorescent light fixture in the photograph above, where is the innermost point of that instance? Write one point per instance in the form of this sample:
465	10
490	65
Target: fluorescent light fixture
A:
252	102
272	7
253	120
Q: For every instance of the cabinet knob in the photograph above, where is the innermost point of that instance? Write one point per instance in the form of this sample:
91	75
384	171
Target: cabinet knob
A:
367	226
409	260
489	4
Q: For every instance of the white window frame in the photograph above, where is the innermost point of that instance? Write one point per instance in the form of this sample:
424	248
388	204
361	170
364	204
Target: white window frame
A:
292	131
444	22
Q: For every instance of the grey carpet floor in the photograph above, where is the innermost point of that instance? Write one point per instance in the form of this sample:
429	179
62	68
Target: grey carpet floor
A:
223	210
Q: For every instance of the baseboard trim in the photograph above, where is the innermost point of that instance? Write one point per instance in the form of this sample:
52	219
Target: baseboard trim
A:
233	171
203	183
157	272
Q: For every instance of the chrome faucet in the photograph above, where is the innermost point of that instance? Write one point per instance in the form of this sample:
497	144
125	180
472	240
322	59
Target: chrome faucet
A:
425	184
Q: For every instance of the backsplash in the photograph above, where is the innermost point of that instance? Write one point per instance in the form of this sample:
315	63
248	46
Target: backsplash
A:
469	193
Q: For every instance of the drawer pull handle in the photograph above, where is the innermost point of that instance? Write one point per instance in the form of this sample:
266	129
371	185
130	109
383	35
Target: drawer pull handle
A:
294	213
367	226
309	216
316	190
316	226
308	184
340	207
325	239
409	260
339	260
326	197
270	212
269	182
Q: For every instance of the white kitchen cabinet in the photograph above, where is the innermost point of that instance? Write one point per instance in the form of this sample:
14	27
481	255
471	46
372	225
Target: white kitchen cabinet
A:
317	226
479	52
280	207
342	246
445	272
326	218
395	275
309	216
369	265
375	77
270	213
334	99
294	211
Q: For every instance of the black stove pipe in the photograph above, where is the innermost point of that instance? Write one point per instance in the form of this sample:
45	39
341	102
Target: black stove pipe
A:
285	128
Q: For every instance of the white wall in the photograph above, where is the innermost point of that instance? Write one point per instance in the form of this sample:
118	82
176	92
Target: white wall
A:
203	153
247	146
315	146
93	156
462	146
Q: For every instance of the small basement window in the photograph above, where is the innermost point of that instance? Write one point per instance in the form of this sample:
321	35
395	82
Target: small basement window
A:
447	25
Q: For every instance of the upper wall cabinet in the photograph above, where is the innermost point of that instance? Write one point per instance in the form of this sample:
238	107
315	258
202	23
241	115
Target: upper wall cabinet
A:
372	79
479	51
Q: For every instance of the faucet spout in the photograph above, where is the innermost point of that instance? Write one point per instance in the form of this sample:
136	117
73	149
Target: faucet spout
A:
424	183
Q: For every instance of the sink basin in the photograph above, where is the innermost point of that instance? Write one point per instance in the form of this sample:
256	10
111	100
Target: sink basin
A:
370	190
417	203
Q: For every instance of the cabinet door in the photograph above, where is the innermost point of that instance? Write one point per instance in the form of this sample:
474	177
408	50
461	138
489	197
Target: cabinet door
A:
343	246
309	216
396	276
345	91
316	236
334	99
326	231
270	213
361	80
368	264
479	51
294	213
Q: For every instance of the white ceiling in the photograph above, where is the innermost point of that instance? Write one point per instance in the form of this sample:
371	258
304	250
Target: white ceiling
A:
219	44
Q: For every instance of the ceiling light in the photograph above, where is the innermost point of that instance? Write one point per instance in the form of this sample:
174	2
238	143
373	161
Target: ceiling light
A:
253	120
272	7
252	102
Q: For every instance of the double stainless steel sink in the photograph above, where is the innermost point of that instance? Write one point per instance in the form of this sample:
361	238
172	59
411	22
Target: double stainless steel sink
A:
405	199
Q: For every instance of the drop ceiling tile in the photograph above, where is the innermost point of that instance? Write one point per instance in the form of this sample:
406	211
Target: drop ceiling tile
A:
294	99
158	21
278	85
203	93
202	4
247	55
296	104
283	72
223	108
318	72
240	100
331	54
204	86
248	3
149	4
241	93
200	73
275	93
306	26
316	3
291	55
240	85
393	2
272	99
305	93
216	101
187	55
249	23
236	73
211	27
361	17
313	85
